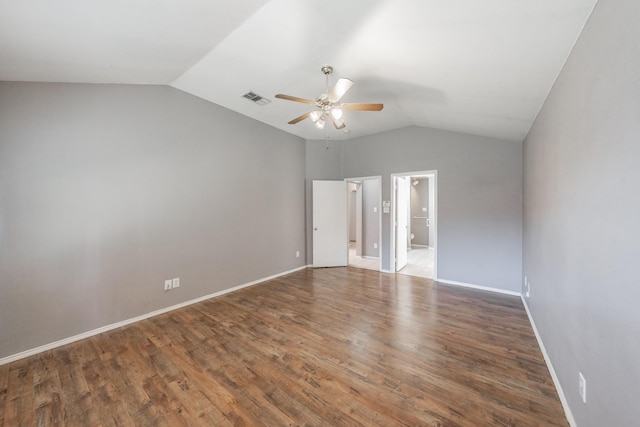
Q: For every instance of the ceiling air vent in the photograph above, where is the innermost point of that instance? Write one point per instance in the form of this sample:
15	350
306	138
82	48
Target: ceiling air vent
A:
260	100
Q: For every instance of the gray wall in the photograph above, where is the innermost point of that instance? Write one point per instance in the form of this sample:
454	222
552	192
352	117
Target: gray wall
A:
352	188
107	190
479	197
581	216
419	200
370	219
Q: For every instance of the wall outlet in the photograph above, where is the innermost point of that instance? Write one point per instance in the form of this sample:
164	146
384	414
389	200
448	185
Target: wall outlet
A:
167	285
375	246
175	283
582	387
297	254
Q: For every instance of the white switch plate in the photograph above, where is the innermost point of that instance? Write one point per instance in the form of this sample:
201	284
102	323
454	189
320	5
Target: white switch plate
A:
297	254
424	209
176	282
375	209
375	246
582	387
167	285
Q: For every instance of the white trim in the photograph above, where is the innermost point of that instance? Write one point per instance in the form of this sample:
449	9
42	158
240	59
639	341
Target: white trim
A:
386	271
482	288
547	359
69	340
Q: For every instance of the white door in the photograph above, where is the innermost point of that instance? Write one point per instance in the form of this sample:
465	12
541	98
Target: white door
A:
402	216
330	235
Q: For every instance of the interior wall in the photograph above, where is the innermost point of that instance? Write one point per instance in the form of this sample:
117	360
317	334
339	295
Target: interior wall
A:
352	188
370	217
108	190
479	197
581	210
420	208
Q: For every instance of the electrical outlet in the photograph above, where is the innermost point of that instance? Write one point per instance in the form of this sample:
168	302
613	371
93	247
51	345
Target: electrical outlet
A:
176	282
375	246
167	285
297	254
582	387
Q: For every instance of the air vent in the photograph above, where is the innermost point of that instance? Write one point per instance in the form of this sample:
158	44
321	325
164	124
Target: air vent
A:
260	100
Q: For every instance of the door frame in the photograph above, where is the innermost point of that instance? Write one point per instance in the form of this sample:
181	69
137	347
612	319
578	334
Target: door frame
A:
433	222
365	178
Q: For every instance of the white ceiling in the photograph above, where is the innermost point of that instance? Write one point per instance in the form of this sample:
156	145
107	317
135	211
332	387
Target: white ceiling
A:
475	66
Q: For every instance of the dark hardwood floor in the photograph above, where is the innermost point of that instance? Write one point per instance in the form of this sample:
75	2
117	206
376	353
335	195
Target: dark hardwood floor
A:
338	346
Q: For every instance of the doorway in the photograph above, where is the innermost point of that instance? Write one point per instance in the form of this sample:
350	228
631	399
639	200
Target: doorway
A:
414	224
364	197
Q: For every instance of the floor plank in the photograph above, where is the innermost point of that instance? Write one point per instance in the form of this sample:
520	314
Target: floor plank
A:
337	346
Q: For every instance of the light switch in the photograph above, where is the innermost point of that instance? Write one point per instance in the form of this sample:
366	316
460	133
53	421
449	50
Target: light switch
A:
375	209
424	209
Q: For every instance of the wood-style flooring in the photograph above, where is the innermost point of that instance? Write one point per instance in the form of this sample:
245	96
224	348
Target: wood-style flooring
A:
336	346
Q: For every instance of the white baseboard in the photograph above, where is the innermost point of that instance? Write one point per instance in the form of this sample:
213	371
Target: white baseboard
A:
65	341
482	288
386	271
556	381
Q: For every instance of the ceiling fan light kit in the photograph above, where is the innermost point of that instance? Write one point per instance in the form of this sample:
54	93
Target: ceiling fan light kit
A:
328	106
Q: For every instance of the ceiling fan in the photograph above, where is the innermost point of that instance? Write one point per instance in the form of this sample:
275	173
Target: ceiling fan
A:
328	106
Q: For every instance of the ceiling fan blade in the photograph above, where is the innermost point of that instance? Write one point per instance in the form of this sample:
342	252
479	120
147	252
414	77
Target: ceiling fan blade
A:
295	98
339	89
300	118
362	107
338	123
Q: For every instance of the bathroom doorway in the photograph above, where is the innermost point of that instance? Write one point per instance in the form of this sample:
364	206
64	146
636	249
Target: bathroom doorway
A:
414	226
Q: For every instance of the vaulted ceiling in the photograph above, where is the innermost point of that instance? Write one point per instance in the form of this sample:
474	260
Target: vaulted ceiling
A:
480	67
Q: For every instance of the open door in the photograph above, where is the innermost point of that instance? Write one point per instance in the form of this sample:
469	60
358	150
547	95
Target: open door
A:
330	235
402	220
